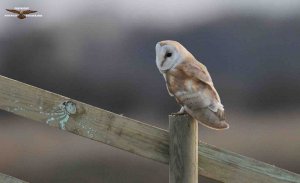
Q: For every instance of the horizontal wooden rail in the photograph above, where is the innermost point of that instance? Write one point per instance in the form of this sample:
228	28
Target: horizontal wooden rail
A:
9	179
130	135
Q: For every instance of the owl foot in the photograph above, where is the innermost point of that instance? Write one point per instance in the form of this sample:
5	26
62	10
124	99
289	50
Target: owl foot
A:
181	112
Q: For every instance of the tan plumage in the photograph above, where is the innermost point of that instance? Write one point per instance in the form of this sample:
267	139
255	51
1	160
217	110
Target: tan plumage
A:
189	82
21	13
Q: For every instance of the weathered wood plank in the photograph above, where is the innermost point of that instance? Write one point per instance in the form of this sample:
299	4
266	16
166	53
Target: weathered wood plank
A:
130	135
183	164
9	179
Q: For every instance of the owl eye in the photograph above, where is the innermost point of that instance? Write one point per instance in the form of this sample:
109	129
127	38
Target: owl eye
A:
168	54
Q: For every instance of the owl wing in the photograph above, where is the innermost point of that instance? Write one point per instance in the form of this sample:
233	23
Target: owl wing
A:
205	104
198	71
28	11
13	11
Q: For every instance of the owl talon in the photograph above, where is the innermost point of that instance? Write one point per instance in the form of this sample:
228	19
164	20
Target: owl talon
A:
178	113
181	112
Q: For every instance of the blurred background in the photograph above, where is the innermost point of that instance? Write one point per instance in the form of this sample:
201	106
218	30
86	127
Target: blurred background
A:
102	53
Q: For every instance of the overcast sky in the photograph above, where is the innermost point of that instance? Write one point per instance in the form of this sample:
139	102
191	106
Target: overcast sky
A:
127	15
159	11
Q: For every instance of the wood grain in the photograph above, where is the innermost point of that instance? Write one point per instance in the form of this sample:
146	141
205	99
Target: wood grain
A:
183	163
133	136
9	179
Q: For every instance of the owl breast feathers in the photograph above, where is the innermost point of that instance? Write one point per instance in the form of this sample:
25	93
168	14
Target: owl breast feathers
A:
189	82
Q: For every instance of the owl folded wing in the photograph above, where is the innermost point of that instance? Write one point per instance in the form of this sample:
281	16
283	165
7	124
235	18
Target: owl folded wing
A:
198	71
208	97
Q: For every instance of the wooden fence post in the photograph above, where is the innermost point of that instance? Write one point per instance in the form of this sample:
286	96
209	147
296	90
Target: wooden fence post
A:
183	150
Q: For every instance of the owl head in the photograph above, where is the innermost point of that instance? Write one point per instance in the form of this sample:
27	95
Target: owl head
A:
169	54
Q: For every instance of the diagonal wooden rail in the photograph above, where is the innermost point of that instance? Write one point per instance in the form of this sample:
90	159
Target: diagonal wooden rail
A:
9	179
130	135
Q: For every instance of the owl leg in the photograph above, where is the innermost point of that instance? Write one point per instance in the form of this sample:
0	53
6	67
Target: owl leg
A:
181	112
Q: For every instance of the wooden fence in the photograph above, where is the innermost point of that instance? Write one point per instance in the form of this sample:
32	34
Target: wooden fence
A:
9	179
129	135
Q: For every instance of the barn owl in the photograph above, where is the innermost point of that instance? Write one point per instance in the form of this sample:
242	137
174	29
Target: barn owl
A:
21	13
189	82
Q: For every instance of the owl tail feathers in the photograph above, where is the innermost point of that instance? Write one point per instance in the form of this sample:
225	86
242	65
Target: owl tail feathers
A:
220	125
210	119
207	117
